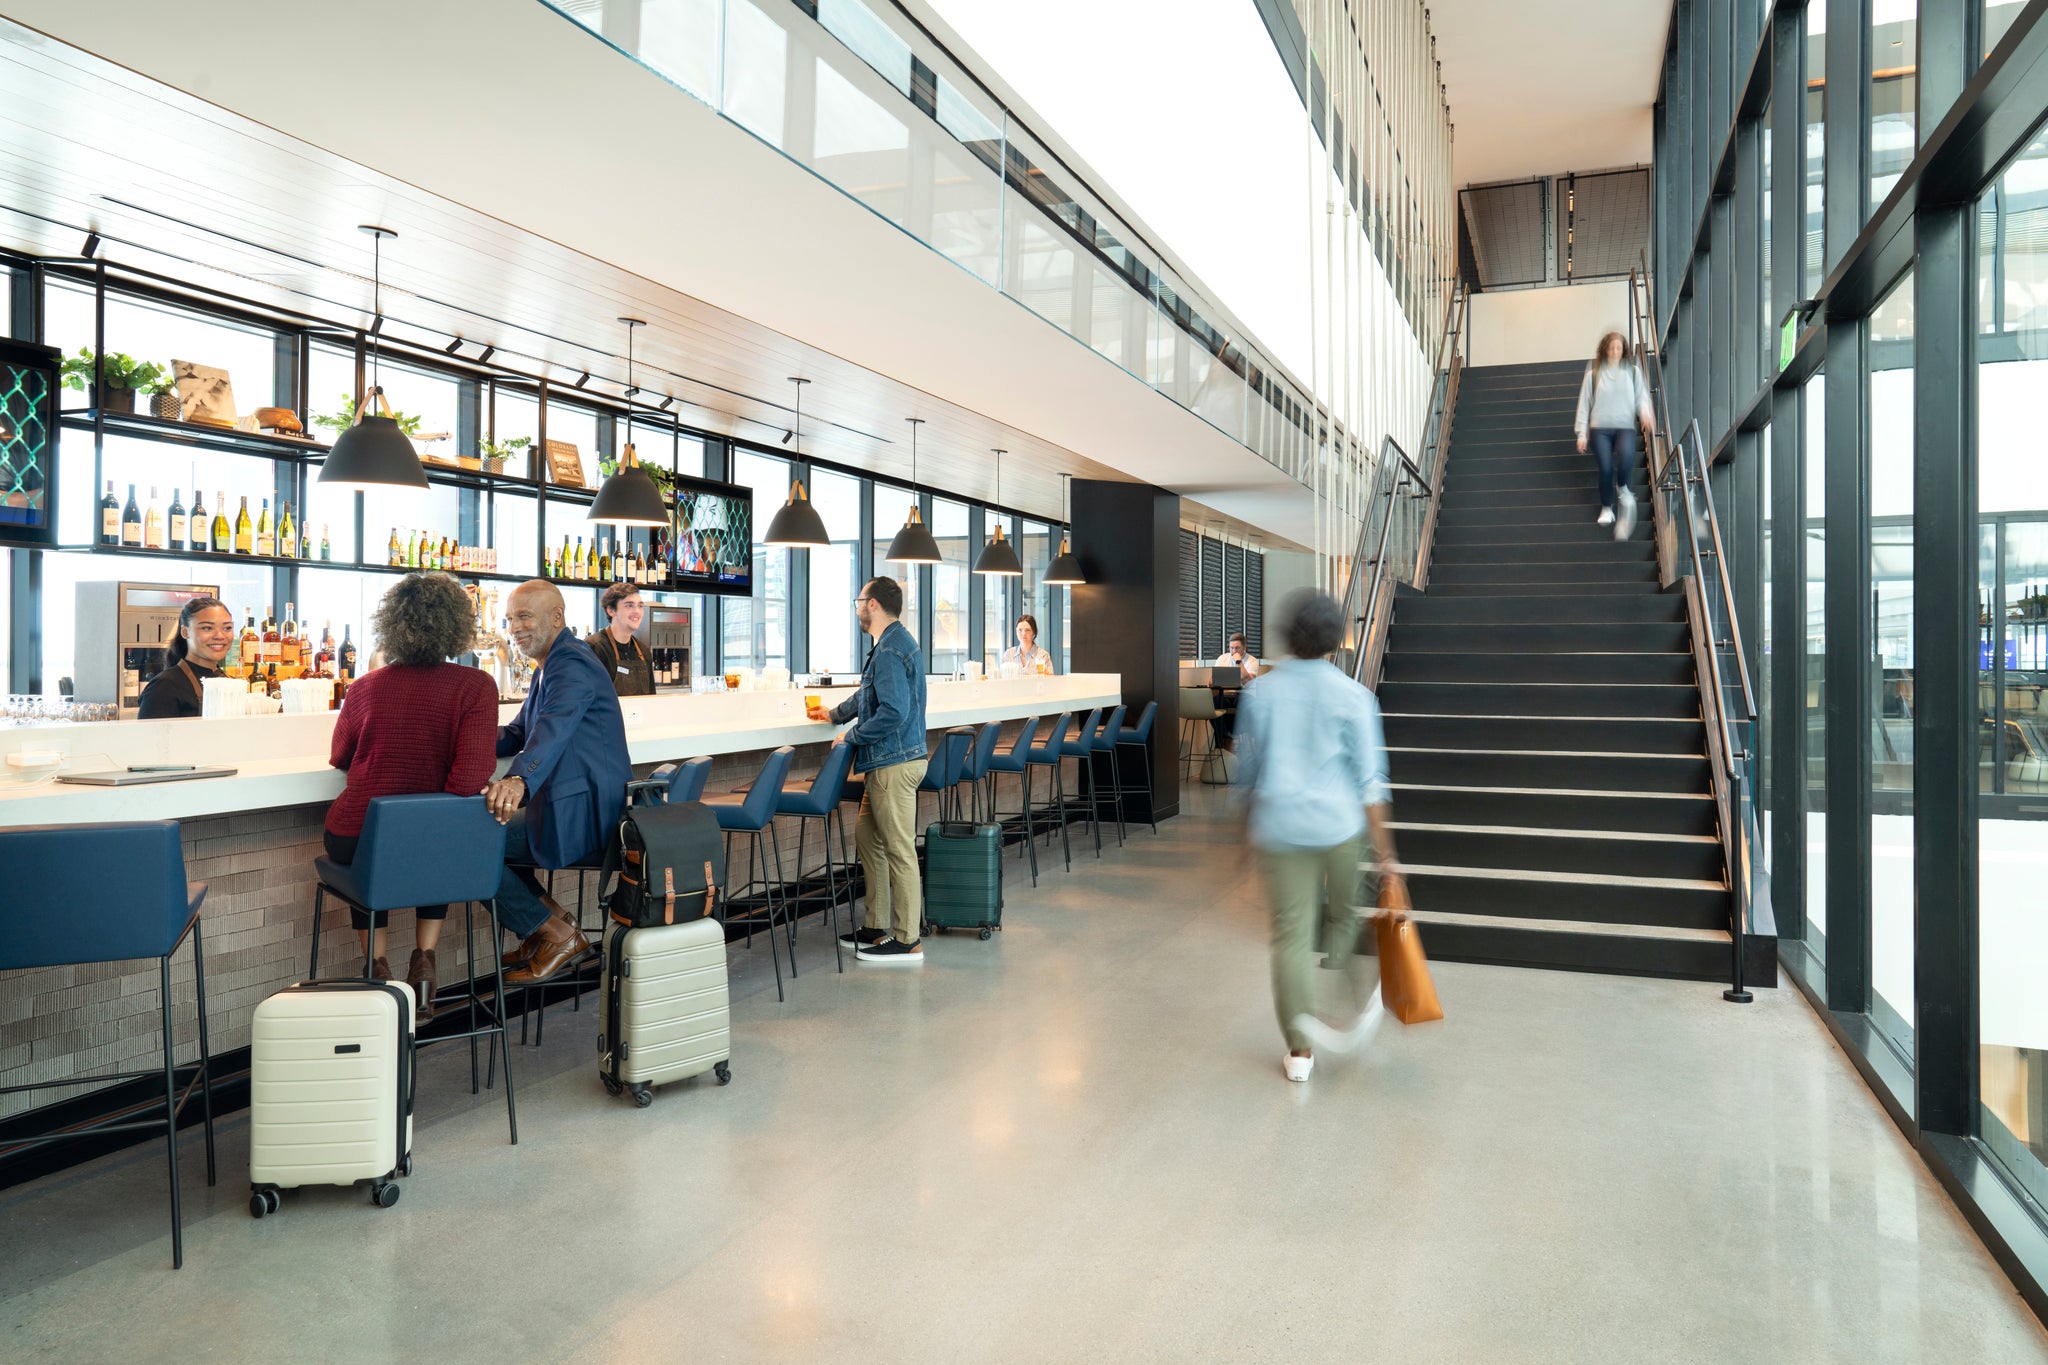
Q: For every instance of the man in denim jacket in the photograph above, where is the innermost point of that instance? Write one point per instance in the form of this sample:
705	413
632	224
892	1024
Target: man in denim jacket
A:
888	748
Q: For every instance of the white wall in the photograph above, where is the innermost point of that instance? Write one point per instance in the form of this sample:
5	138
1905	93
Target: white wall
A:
1564	322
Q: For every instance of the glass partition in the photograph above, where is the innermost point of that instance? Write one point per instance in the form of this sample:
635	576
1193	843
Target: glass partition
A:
756	628
1891	669
951	582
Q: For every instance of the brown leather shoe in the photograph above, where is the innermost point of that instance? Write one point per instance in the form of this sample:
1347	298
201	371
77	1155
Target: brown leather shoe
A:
523	954
560	945
420	974
380	969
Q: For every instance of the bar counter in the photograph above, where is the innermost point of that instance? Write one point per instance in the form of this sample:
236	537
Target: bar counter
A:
253	837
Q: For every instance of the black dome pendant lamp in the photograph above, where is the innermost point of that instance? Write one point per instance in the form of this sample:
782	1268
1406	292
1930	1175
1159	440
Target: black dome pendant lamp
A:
998	556
374	453
1065	570
629	497
914	543
798	523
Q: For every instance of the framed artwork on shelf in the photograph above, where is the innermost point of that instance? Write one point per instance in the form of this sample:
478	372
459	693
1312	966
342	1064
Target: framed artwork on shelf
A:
205	393
565	464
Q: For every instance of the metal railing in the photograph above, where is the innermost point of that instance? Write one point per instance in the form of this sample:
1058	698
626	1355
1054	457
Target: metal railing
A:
1399	527
1690	549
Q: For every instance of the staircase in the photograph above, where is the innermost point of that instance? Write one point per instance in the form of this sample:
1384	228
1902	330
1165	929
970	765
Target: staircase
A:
1551	785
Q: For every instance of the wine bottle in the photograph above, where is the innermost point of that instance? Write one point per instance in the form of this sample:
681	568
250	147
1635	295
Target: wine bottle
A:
323	657
266	532
563	564
245	531
110	517
345	658
153	523
604	560
131	520
170	526
223	537
326	553
287	535
195	524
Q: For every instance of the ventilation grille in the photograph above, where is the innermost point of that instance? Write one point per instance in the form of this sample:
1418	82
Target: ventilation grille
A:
1212	598
1255	605
1603	223
1510	232
1233	591
1190	597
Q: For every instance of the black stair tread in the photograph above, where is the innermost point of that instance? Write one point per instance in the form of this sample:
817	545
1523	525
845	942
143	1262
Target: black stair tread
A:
1609	551
1522	608
1524	893
1539	832
1603	588
1550	791
1552	701
1676	932
1689	812
1535	717
1538	753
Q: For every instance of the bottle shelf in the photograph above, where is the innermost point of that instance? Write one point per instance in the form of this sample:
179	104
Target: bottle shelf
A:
192	434
287	561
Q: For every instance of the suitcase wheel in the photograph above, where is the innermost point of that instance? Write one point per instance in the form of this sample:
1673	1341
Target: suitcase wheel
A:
264	1200
384	1194
612	1087
643	1095
724	1073
984	933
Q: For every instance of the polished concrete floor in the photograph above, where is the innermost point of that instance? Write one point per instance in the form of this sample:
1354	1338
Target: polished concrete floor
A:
1074	1143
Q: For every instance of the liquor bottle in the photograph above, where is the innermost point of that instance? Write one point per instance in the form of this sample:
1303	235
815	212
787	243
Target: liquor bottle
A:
270	685
288	640
345	658
323	657
195	524
110	517
326	552
251	647
273	640
131	520
266	532
287	535
223	537
245	530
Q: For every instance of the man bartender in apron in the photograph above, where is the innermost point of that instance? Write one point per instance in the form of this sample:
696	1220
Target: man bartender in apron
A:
618	647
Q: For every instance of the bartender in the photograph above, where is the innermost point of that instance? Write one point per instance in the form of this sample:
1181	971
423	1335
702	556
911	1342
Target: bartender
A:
618	647
206	628
1026	656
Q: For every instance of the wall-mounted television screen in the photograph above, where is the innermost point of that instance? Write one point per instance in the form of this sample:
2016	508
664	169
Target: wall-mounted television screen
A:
713	528
28	444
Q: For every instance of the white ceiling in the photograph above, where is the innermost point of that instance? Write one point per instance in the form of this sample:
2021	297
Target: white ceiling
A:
1541	87
727	248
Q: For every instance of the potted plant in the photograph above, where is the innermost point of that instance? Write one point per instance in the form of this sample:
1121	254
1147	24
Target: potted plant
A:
338	422
113	386
498	454
664	479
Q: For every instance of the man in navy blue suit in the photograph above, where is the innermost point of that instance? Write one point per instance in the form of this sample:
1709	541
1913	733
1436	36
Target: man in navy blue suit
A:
566	787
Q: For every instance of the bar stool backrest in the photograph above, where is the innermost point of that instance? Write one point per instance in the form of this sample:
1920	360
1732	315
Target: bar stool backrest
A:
1020	748
1048	750
826	790
1142	732
687	783
984	749
1197	703
766	792
91	893
958	746
1106	737
429	848
1084	734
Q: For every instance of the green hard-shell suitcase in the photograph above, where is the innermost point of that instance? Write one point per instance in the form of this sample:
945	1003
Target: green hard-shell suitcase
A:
963	877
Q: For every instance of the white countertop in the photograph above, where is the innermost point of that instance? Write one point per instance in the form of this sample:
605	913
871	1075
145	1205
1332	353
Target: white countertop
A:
282	760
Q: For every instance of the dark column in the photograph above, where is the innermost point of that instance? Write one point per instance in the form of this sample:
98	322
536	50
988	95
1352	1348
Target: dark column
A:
1127	615
1787	796
1846	669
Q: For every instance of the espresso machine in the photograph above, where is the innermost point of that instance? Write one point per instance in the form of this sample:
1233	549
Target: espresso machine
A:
668	644
124	637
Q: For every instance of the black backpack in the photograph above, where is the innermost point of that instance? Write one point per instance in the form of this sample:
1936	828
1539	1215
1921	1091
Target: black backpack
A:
669	861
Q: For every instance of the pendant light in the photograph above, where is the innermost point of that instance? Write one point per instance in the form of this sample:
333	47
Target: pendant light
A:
629	497
998	557
798	523
1065	569
914	543
374	453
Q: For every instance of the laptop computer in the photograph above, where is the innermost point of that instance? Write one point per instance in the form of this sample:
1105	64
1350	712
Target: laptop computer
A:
138	777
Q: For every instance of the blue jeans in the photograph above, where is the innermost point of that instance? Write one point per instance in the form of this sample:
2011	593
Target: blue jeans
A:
519	905
1615	450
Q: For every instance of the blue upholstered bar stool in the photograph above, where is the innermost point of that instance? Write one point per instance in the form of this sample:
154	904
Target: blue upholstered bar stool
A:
1103	747
976	772
1082	748
431	849
753	814
1013	760
686	780
1140	738
943	768
820	801
140	906
1046	754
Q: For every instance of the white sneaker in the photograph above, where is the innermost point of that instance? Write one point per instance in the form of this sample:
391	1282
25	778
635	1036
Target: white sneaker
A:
1606	517
1297	1068
1625	524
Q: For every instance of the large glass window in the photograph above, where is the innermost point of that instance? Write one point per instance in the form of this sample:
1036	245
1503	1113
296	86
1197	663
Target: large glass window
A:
998	596
1891	665
1036	547
951	582
892	509
1894	90
1816	139
2012	691
1813	462
834	633
1767	319
757	628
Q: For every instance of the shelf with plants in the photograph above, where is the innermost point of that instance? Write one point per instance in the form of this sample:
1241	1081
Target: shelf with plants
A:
135	424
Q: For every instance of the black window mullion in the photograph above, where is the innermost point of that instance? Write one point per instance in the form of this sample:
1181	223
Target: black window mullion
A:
1847	664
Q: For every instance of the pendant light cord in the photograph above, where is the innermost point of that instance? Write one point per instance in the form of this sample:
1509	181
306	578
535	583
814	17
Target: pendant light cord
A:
376	311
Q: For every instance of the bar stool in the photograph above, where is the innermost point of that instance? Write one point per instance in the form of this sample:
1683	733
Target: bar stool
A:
1047	754
1197	710
980	772
820	801
943	769
141	907
1104	746
425	850
1140	738
686	780
1013	760
753	814
1082	747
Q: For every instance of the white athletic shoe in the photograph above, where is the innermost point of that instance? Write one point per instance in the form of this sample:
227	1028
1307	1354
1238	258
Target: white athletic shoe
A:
1625	524
1606	517
1297	1068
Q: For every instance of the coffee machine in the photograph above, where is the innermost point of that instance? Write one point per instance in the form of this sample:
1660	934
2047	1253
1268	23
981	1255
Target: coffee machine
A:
124	637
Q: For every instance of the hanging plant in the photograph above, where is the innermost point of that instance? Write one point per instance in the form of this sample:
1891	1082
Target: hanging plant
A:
341	421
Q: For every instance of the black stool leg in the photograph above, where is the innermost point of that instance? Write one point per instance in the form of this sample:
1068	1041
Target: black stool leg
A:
171	1119
205	1076
761	856
319	905
511	1110
789	913
1030	838
469	957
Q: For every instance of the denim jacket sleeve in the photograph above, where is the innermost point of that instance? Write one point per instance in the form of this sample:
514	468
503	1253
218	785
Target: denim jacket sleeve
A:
890	675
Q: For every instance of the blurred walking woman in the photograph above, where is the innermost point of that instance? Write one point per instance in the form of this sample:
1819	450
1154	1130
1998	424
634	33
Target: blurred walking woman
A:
1314	758
1613	402
206	628
418	724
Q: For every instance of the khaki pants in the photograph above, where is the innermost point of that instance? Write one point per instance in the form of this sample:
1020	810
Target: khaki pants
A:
886	836
1298	880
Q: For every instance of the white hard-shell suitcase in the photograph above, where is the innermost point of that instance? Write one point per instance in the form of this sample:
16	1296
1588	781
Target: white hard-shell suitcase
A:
330	1089
666	1014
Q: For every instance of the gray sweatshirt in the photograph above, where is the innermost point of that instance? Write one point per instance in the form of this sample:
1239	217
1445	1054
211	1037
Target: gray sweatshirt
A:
1614	397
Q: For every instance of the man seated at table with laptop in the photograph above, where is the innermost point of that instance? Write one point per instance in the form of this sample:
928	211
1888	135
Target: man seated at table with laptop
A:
565	789
1236	656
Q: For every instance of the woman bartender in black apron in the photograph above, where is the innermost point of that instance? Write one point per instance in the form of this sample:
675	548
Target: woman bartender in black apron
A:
206	628
632	667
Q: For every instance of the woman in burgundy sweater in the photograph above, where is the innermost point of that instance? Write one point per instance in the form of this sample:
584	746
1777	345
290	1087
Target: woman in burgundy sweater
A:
418	724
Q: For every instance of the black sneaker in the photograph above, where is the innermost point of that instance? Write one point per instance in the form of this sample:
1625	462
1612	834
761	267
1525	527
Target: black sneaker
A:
892	952
863	938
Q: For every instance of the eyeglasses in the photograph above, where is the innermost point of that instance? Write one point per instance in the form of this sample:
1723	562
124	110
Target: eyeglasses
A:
858	600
